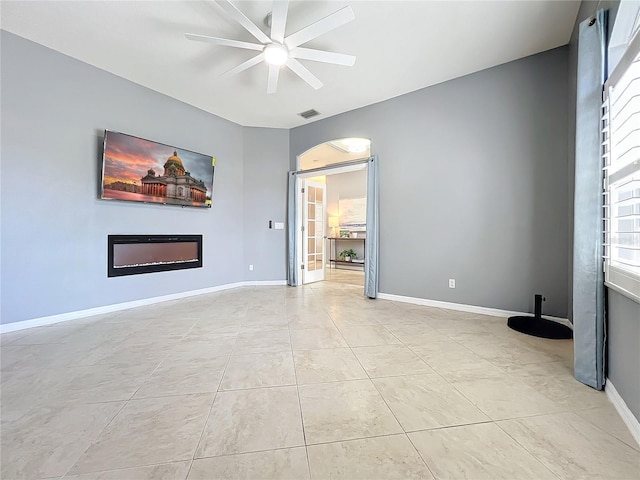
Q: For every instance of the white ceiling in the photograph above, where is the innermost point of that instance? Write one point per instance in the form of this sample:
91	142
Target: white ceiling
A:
400	47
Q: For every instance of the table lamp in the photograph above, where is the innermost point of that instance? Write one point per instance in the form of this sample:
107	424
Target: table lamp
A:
333	223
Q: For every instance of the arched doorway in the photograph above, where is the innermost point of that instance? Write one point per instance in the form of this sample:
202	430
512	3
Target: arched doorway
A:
318	231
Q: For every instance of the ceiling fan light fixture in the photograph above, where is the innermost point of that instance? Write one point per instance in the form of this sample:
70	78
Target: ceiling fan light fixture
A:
275	54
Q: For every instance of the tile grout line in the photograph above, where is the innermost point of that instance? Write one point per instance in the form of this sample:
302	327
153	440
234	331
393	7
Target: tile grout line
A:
491	420
406	434
135	392
523	447
420	455
394	415
636	446
453	384
206	421
116	469
239	454
126	402
385	402
295	374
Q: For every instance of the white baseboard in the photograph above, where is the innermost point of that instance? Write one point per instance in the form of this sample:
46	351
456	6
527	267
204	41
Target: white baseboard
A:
620	405
263	283
90	312
466	308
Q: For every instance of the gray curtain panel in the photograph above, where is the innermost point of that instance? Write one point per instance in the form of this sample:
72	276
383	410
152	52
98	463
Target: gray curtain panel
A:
588	278
292	271
371	252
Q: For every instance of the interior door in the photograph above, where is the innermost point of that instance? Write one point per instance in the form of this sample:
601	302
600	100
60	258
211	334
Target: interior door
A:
313	245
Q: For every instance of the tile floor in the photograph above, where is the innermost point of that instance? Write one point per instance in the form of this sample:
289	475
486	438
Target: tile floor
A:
297	383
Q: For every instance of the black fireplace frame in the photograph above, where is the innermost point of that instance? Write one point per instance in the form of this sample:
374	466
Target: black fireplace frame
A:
113	240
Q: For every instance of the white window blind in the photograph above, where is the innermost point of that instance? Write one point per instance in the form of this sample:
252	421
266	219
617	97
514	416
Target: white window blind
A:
621	151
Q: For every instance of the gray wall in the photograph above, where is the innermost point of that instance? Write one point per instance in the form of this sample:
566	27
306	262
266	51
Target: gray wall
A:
54	227
623	348
473	184
266	161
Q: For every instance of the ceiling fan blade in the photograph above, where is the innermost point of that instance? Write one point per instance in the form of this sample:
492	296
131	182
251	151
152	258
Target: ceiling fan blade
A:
240	17
224	41
272	84
300	70
328	23
245	65
322	56
279	20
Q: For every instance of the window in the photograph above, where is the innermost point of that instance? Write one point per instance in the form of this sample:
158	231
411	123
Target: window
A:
621	150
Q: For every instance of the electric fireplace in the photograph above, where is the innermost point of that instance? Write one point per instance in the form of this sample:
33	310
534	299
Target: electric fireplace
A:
137	254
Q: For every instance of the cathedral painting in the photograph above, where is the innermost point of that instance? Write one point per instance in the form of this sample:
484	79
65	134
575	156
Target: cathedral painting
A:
175	182
142	170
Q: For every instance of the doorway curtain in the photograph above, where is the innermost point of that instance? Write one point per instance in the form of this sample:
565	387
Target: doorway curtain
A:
373	218
292	254
588	278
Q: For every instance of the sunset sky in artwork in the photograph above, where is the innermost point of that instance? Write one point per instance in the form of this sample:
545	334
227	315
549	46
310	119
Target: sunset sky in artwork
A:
127	159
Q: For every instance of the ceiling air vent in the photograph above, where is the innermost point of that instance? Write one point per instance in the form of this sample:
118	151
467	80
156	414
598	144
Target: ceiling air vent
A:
309	113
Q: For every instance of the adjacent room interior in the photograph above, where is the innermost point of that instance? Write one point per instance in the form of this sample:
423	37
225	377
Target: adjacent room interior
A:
250	239
333	231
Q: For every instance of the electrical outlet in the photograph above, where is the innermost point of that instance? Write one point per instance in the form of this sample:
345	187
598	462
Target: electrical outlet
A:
251	268
452	283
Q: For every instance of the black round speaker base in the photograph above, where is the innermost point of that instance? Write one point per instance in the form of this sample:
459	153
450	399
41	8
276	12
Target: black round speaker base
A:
540	327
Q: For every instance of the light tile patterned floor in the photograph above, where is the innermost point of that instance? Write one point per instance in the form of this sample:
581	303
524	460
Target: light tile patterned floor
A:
297	383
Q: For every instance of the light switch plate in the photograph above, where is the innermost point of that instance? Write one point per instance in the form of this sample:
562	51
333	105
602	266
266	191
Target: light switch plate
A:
279	225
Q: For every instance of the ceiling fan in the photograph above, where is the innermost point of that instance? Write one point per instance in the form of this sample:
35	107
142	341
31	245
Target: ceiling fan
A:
277	50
